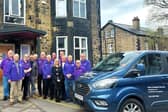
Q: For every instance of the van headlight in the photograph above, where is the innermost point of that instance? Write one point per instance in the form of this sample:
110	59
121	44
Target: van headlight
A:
105	84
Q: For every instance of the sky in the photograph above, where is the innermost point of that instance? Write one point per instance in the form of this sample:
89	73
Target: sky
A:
123	11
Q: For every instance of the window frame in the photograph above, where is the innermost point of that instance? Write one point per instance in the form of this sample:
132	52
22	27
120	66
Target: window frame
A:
13	15
58	16
80	48
79	11
65	47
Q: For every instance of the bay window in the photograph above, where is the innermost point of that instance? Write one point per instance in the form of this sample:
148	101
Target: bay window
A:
80	46
61	45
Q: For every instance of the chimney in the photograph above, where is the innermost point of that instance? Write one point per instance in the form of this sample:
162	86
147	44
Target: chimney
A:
136	23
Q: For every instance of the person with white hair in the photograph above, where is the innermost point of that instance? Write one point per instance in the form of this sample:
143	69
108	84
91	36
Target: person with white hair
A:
5	65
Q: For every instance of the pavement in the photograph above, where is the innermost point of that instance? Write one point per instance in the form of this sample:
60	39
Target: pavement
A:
39	105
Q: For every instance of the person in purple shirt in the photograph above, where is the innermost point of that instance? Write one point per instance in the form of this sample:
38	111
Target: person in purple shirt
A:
15	78
5	65
41	61
78	70
85	63
68	74
46	75
27	70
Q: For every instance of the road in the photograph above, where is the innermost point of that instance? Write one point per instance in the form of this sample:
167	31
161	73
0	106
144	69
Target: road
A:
40	105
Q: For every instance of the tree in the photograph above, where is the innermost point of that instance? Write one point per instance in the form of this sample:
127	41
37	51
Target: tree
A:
158	11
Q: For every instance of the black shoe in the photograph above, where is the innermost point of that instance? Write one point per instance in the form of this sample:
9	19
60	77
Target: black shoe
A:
57	100
45	97
5	98
51	98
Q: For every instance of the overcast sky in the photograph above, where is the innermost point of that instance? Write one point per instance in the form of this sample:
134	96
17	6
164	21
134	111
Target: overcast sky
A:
123	11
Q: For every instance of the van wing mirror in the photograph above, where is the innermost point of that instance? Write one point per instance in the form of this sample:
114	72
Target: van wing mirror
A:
139	69
132	73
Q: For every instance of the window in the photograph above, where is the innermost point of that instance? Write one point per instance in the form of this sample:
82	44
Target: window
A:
152	63
61	45
14	11
61	8
79	8
112	32
80	46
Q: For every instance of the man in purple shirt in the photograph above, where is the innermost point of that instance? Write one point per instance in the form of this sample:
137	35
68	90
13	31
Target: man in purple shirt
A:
78	70
46	76
68	74
41	62
27	70
85	63
5	65
15	77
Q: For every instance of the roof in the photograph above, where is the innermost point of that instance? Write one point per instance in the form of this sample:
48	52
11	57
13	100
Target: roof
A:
128	28
20	31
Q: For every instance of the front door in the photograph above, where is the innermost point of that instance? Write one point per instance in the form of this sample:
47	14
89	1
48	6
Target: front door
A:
4	49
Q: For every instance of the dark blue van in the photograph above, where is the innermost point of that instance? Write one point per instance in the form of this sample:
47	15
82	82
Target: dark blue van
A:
126	82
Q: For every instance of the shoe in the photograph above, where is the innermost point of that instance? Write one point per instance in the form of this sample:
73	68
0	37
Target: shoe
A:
51	98
5	98
57	100
45	97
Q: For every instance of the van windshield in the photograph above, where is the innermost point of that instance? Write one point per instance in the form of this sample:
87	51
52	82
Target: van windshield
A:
116	61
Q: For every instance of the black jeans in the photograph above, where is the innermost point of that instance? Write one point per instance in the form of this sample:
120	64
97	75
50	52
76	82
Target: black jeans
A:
39	81
46	86
25	86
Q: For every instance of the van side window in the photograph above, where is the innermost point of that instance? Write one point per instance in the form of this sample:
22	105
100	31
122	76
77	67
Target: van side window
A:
154	64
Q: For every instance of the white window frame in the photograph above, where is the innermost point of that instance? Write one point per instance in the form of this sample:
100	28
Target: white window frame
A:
66	45
21	50
80	9
80	45
13	15
56	8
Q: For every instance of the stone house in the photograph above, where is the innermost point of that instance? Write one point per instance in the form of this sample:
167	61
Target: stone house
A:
118	37
72	26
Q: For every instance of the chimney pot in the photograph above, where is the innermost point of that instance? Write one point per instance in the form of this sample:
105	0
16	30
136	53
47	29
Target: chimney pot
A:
136	23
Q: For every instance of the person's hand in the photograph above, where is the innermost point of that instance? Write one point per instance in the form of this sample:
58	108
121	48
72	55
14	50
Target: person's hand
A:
48	76
69	76
9	81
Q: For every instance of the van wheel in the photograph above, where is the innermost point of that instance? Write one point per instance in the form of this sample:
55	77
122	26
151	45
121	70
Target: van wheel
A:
131	105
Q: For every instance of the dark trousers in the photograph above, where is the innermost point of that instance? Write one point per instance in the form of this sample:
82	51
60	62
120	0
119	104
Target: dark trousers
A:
58	93
52	91
46	86
39	85
25	86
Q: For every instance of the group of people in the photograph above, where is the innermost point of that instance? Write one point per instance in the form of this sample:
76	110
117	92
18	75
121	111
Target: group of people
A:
55	76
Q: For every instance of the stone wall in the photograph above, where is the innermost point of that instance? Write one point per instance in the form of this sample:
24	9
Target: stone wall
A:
95	27
1	12
38	16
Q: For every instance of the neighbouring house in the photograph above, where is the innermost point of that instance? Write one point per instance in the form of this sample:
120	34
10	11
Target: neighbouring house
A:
118	37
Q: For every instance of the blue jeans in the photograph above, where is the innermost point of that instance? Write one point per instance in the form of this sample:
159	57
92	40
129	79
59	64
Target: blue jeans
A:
69	87
5	86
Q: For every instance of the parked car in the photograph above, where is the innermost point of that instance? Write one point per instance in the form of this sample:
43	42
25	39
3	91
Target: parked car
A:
126	82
